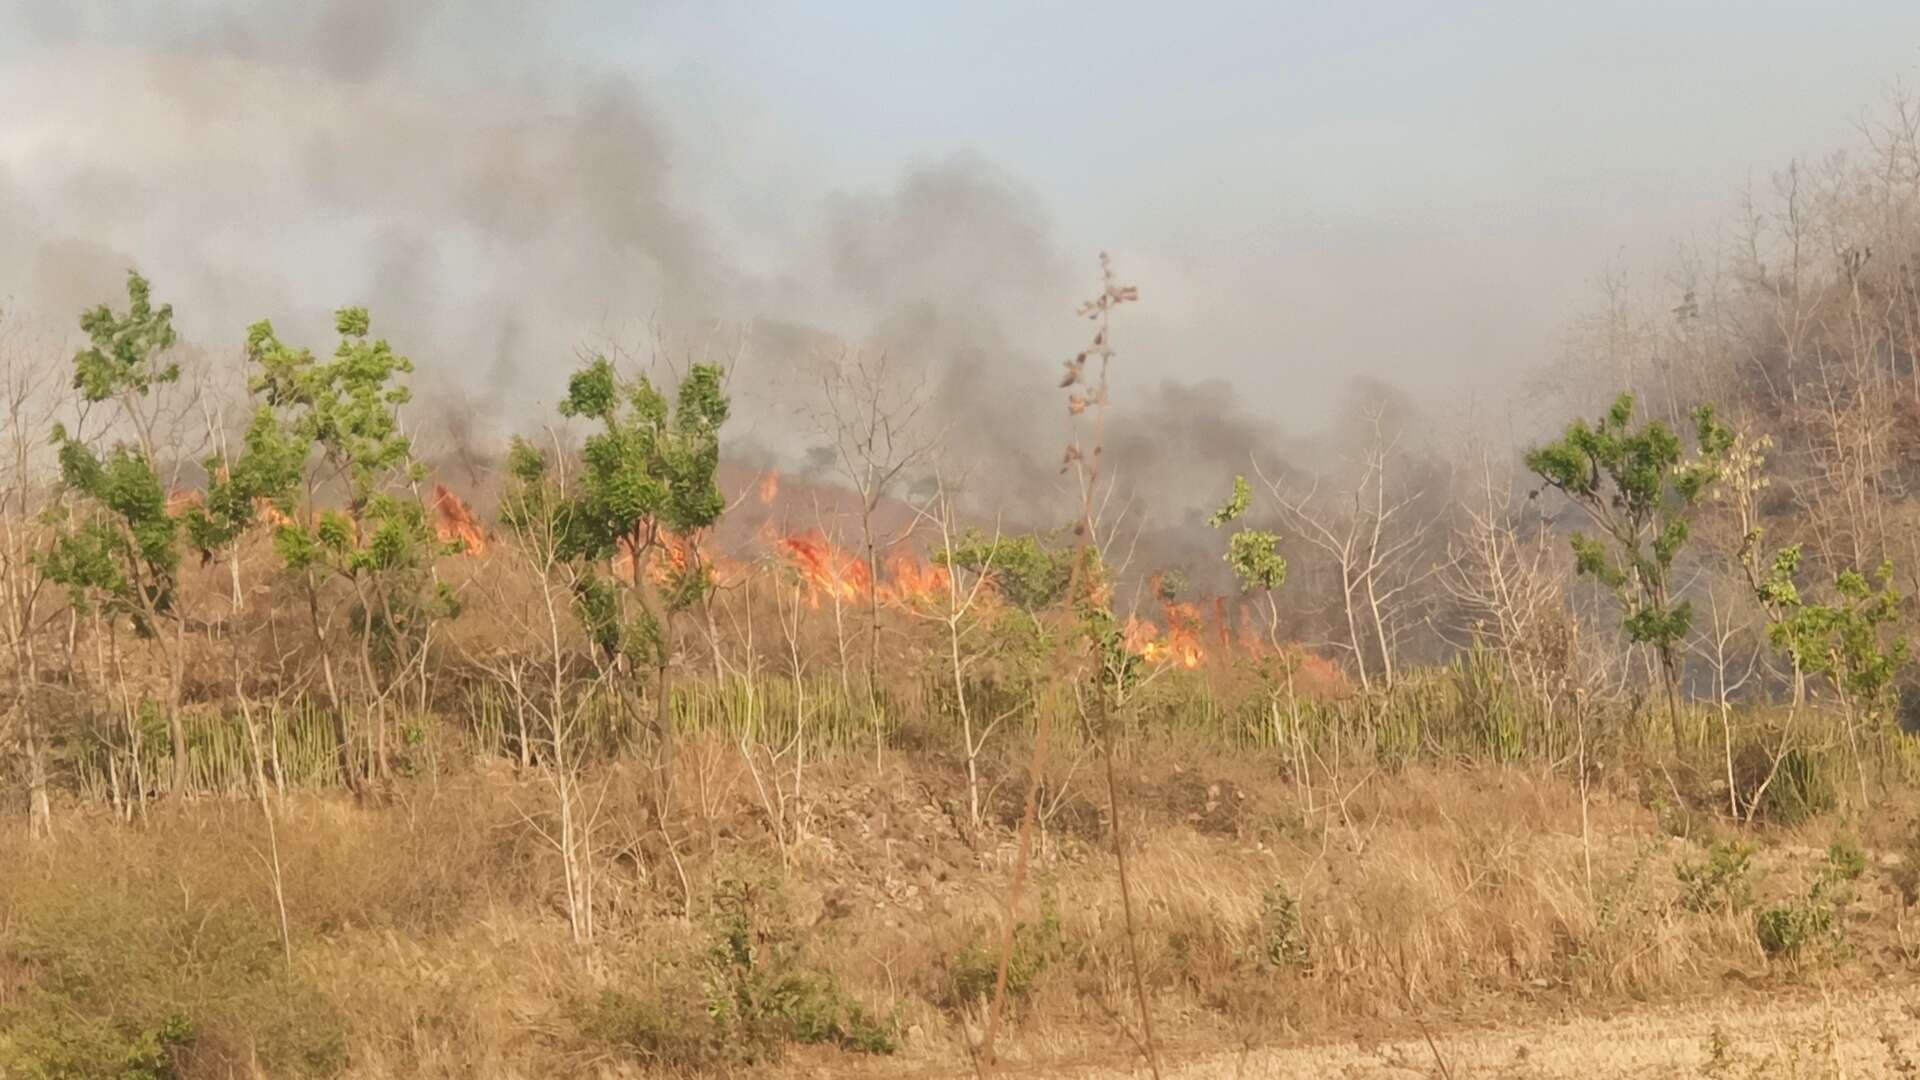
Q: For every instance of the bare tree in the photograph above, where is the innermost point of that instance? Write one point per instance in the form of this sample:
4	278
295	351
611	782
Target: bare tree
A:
875	417
27	396
961	598
1504	575
1371	533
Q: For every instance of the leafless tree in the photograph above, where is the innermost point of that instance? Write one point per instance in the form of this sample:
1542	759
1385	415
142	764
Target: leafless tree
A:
963	594
27	389
1371	532
875	416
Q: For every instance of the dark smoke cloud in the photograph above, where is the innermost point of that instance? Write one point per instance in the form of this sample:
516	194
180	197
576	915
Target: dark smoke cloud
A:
495	209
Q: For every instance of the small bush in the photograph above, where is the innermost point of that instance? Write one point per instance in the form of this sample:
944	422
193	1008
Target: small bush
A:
811	1008
1283	936
650	1033
972	971
45	1045
759	994
1845	861
1803	787
1721	883
1789	930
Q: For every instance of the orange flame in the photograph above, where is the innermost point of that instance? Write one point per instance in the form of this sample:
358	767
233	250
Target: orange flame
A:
770	486
270	514
912	580
456	521
673	554
841	575
1181	643
828	570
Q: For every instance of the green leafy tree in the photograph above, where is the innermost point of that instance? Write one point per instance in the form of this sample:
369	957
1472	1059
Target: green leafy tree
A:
1029	572
1254	555
1846	640
116	545
381	545
647	490
1637	486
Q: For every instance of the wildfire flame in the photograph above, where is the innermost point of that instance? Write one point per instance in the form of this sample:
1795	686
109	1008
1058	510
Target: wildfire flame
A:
834	573
455	520
827	570
770	486
270	514
1181	642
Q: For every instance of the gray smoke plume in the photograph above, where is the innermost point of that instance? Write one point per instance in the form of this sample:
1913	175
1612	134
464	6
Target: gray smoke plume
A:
496	208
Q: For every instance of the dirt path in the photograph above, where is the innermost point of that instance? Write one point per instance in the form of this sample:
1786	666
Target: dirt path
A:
1803	1036
1874	1034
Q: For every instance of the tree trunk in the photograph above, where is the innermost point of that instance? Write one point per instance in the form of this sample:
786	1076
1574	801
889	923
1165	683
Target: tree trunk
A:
176	724
873	634
665	746
39	809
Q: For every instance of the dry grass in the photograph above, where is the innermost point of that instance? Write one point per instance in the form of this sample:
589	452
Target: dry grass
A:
430	935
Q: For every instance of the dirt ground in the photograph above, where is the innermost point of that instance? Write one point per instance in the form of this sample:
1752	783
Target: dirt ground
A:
1831	1035
1873	1034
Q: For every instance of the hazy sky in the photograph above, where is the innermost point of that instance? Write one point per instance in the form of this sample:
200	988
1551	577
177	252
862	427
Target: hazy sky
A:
1423	192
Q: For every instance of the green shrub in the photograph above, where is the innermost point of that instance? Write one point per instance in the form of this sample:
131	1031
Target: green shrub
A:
811	1008
670	1038
1803	787
1788	930
45	1044
1845	861
761	996
1283	936
1791	930
1720	883
973	970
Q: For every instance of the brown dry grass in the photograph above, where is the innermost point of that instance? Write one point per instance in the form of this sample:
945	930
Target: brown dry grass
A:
430	936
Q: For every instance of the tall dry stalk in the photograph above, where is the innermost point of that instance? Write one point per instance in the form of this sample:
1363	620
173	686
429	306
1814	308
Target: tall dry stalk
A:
1086	580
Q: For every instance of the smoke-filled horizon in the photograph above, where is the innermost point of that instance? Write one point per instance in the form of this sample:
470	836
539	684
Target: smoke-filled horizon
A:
1312	206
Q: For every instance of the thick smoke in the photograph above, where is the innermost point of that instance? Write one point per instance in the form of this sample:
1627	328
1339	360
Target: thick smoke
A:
496	211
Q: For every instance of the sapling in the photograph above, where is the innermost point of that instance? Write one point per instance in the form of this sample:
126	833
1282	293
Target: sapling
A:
1637	486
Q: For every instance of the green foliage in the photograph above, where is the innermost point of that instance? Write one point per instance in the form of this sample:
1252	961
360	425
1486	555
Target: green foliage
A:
1030	572
348	406
270	466
1637	485
534	505
1845	640
124	356
1845	861
648	476
1283	934
1790	930
1254	554
346	409
84	1048
760	996
649	469
1235	505
121	552
1037	946
1255	557
1721	882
